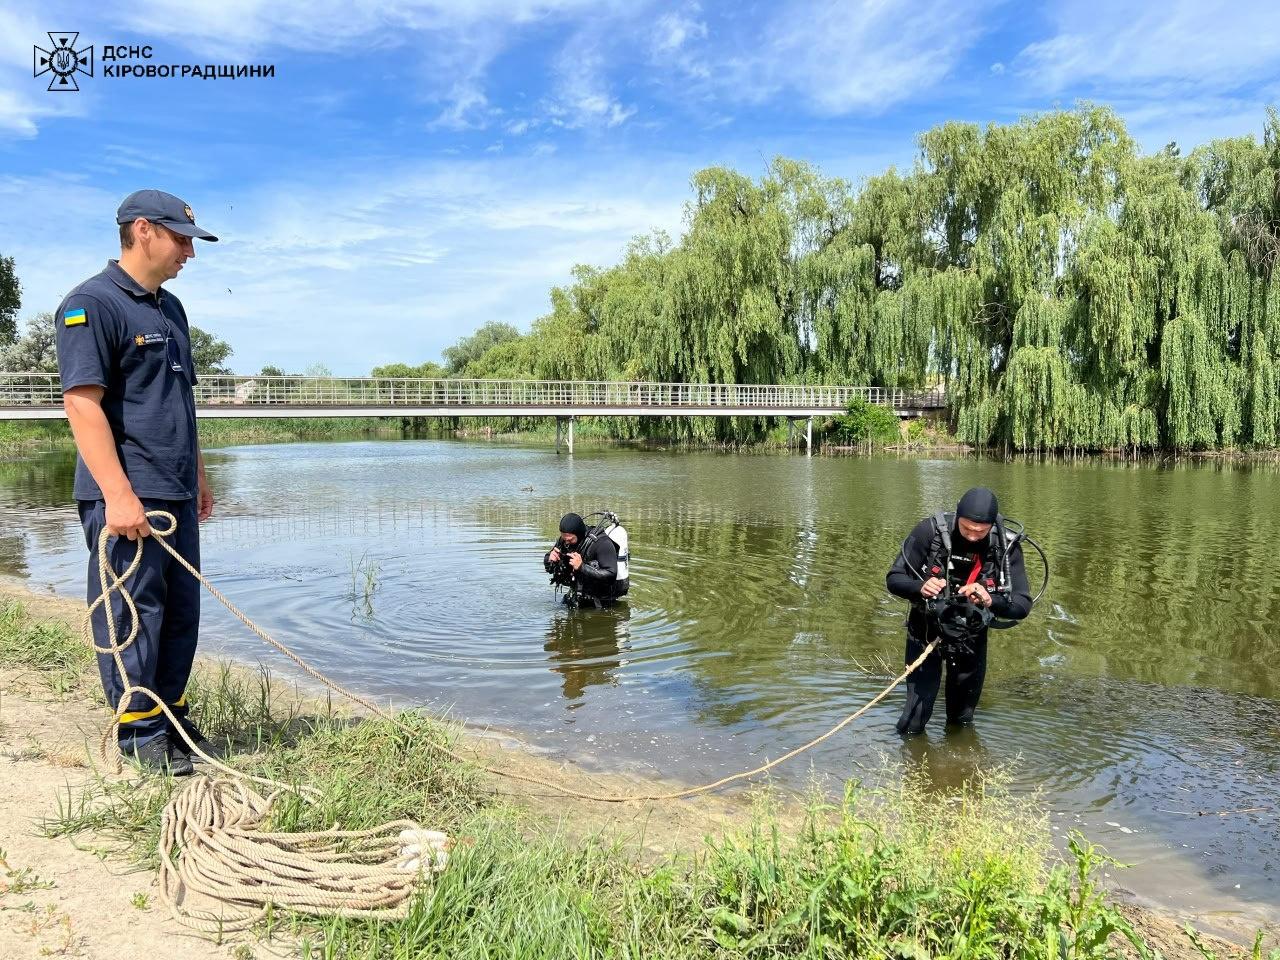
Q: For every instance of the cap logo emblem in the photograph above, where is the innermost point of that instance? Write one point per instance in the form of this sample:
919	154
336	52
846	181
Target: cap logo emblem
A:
190	216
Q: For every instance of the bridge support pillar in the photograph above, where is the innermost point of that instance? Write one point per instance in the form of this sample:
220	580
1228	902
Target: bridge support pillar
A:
808	434
560	424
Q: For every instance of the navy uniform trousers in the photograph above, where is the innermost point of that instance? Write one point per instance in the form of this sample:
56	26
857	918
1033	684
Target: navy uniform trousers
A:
168	602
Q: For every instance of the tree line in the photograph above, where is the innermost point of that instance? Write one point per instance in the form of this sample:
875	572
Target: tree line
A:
1067	291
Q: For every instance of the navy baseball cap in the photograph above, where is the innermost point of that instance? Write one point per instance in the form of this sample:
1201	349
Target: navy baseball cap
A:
164	209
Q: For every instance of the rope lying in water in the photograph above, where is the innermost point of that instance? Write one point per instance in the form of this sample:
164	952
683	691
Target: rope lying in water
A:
211	844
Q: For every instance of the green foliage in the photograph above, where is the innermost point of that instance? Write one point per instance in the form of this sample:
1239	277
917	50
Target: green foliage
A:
429	370
923	432
270	370
471	348
60	657
19	435
270	430
1068	292
209	353
10	302
913	878
866	424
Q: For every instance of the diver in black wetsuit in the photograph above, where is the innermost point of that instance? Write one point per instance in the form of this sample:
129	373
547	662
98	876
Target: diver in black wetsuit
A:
958	570
587	563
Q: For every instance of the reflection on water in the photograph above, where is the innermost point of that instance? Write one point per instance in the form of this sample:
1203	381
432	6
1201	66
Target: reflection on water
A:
957	756
1142	690
586	647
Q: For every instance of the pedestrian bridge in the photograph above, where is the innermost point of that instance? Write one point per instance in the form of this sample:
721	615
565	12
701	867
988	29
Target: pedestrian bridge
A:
38	396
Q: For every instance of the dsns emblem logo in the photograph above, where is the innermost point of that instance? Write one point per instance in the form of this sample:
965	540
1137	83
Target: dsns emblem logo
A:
64	61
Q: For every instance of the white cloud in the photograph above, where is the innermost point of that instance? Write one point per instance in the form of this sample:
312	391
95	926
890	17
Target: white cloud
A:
860	56
17	114
864	55
1116	43
583	98
680	49
673	30
356	270
244	28
468	109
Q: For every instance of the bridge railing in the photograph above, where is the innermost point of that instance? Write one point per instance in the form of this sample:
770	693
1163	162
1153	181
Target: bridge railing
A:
43	389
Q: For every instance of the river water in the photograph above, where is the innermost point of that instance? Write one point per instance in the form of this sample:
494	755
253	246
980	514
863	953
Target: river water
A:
1142	691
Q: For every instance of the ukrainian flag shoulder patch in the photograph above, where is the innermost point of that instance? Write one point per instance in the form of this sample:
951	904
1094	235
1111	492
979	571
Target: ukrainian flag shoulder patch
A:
74	317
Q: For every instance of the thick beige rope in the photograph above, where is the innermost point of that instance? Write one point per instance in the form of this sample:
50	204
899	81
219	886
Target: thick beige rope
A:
212	846
213	851
377	711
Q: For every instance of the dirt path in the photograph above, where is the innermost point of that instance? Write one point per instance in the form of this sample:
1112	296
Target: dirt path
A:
57	899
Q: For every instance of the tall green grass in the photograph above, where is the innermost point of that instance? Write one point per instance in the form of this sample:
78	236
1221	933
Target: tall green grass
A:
57	656
215	431
19	435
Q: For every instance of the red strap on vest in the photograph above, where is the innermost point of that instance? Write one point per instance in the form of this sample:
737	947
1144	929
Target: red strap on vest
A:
977	569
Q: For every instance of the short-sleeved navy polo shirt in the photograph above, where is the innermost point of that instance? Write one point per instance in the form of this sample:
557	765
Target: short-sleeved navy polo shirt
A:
115	334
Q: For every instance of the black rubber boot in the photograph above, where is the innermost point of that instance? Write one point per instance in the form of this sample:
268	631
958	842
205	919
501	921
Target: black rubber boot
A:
216	750
158	756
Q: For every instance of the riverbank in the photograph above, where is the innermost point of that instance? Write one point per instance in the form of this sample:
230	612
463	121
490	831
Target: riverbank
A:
19	437
24	439
901	873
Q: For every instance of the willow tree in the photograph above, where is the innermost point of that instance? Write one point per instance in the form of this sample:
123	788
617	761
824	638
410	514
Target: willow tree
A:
728	282
1068	292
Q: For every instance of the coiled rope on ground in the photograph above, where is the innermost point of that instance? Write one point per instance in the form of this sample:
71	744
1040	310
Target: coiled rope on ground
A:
212	845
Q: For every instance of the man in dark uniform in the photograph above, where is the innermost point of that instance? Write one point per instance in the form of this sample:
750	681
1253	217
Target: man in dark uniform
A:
124	356
586	564
956	570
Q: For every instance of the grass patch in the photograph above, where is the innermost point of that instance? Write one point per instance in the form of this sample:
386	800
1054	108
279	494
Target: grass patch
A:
234	430
927	433
62	659
865	424
19	435
894	872
365	581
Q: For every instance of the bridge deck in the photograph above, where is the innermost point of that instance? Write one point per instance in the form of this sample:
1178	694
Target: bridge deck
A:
38	396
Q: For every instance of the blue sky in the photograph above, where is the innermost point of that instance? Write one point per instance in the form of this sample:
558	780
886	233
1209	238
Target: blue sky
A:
418	167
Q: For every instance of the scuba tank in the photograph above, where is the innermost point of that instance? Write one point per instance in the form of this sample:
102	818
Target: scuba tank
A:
618	534
610	526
